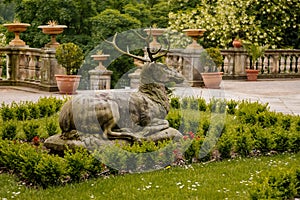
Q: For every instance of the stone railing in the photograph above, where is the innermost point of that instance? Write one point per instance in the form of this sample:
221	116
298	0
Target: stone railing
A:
275	64
24	66
278	63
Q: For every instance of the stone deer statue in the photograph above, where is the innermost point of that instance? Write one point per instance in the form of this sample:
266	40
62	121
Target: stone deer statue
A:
122	114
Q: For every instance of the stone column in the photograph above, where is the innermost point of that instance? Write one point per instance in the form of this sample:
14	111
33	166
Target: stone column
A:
49	67
192	68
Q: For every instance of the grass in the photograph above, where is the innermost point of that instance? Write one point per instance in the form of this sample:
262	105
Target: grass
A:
230	179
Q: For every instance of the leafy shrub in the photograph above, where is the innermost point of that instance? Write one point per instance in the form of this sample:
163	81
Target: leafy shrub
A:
22	112
34	111
225	145
217	105
50	171
244	141
80	164
231	107
31	130
185	103
175	103
7	112
174	118
9	130
263	139
52	127
277	184
194	105
202	104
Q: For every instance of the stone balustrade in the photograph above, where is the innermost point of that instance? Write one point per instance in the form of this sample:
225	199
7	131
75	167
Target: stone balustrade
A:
32	67
280	63
24	66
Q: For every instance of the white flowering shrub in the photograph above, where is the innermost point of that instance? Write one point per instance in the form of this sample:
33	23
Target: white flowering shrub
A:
260	21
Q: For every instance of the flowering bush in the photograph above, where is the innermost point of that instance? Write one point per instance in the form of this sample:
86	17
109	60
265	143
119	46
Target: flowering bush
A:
261	21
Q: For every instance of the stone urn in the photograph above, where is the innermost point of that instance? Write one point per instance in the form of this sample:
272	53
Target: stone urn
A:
194	34
100	77
16	28
100	58
237	43
155	32
53	30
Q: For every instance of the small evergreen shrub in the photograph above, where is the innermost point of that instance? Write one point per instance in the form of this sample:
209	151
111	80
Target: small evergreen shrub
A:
31	130
175	103
52	127
9	130
277	184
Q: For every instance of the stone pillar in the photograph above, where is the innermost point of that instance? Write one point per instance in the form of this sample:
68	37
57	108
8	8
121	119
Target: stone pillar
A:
192	67
135	78
136	75
49	67
100	79
239	62
13	61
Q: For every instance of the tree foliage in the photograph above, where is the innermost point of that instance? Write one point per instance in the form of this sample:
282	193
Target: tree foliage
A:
273	22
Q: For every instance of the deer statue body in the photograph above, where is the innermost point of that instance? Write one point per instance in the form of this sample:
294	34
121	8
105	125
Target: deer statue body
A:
121	114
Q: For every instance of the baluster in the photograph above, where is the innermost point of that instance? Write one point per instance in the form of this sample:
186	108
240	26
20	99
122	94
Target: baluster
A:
268	64
37	69
279	64
31	68
285	63
223	63
262	65
291	63
296	64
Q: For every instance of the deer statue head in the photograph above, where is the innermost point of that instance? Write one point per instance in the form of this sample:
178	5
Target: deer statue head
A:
152	72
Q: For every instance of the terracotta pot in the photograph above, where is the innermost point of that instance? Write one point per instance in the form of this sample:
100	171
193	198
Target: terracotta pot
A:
67	84
237	43
252	74
212	79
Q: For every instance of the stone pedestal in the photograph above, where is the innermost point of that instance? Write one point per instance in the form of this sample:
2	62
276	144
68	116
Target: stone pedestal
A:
187	61
100	79
240	62
135	79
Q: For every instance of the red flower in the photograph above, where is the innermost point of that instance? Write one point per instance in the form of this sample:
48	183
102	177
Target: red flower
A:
36	140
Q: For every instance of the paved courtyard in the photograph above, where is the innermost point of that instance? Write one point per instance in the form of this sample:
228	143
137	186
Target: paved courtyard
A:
282	95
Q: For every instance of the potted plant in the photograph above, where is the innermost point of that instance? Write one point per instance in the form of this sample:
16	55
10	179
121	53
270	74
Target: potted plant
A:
255	51
211	59
237	42
69	56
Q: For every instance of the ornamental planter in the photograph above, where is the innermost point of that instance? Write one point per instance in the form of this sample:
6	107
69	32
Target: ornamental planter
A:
212	80
155	32
67	84
194	34
53	31
100	58
252	74
237	43
16	28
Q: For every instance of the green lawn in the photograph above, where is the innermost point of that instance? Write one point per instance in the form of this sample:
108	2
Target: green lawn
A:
218	180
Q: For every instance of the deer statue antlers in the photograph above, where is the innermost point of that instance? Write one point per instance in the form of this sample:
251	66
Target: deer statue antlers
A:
151	54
